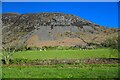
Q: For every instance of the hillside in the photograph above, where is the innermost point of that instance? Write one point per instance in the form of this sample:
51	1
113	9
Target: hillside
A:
51	29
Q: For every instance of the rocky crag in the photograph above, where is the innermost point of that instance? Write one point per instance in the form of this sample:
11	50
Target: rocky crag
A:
51	29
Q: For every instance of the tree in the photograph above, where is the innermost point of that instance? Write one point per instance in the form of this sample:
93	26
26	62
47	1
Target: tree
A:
7	52
10	48
111	42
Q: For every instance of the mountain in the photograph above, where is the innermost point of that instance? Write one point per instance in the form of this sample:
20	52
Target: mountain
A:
51	29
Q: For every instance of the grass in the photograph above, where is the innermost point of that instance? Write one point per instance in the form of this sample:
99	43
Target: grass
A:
64	54
60	72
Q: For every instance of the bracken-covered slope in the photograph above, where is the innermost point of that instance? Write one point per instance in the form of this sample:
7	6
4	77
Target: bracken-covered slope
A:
51	29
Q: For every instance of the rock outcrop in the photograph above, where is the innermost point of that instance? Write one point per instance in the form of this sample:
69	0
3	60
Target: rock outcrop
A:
51	29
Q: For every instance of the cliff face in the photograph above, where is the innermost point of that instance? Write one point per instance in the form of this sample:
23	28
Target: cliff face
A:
51	29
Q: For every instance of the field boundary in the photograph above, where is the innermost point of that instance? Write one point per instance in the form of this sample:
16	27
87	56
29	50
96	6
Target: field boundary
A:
66	61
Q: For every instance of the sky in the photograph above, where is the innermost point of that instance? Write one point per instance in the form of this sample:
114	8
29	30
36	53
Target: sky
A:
101	13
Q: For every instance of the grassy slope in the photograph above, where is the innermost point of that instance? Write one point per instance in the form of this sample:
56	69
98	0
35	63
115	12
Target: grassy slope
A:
65	54
60	72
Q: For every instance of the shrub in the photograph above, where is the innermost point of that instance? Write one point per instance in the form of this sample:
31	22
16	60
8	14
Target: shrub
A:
33	48
111	43
22	48
19	61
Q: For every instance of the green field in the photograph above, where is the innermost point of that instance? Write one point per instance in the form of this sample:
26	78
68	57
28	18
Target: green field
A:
61	72
65	54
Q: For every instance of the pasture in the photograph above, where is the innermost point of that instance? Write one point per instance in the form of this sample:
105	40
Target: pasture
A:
65	54
62	70
81	71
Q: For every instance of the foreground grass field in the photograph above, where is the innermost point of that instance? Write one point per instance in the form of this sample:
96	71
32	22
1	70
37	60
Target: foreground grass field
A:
61	72
65	54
